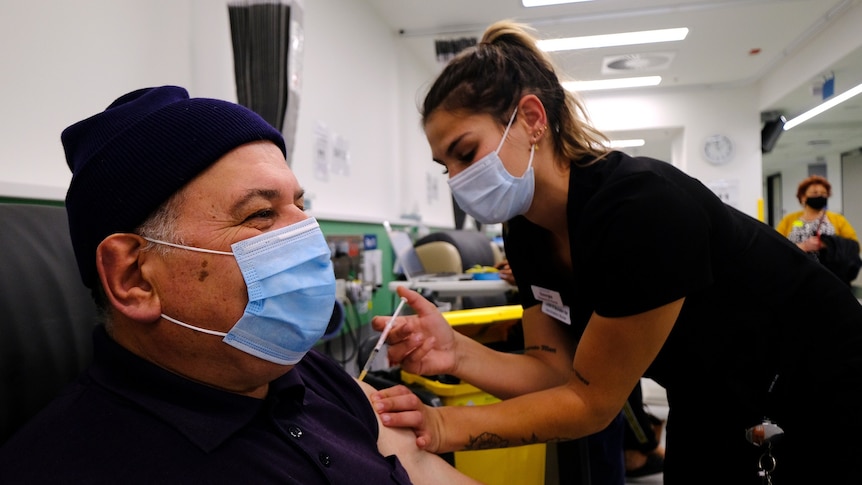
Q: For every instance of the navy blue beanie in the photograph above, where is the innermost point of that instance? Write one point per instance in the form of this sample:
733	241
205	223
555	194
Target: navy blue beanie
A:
129	159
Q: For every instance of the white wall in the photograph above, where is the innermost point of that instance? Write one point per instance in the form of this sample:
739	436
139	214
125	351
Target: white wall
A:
426	191
348	86
64	61
701	113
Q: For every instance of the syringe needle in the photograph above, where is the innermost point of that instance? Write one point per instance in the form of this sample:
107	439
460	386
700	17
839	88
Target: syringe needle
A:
382	338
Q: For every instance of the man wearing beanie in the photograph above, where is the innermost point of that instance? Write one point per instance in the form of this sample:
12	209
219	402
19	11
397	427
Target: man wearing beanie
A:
188	225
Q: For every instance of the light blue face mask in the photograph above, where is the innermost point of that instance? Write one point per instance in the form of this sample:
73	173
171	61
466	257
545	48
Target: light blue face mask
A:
488	192
291	292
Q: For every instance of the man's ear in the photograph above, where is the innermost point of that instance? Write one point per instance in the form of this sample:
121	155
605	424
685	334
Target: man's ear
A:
532	112
119	264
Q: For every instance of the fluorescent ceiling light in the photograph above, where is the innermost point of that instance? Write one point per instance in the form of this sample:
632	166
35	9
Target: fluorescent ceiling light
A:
542	3
635	142
823	107
609	40
626	82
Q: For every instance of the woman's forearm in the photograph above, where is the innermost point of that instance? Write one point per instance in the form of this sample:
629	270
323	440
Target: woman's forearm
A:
502	374
556	414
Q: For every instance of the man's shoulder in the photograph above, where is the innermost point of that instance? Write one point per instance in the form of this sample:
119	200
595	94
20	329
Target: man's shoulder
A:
319	368
323	374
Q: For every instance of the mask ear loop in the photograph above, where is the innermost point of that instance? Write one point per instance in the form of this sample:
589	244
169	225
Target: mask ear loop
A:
189	248
197	329
534	147
506	133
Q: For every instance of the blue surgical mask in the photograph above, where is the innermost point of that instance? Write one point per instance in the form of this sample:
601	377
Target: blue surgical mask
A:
488	192
291	292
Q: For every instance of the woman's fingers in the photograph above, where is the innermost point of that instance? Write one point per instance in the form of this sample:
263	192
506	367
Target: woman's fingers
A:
398	407
417	302
412	361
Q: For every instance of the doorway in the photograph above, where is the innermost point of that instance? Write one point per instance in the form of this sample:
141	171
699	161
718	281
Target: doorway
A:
774	207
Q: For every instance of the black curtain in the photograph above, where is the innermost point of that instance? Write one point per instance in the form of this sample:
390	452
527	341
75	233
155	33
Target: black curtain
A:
266	38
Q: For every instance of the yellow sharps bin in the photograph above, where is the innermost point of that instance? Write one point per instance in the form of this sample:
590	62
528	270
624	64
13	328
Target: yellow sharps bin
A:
524	465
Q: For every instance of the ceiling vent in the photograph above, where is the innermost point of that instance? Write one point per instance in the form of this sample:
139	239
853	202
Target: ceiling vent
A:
655	61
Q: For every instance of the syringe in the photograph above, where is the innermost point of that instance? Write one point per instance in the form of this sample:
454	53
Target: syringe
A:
382	338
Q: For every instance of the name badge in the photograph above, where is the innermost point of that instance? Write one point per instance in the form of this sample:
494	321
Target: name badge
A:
546	295
560	312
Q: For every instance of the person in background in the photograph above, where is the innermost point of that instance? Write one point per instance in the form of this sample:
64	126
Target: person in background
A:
626	267
188	225
824	235
805	227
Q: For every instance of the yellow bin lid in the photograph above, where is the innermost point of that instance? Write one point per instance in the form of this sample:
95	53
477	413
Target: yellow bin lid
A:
478	316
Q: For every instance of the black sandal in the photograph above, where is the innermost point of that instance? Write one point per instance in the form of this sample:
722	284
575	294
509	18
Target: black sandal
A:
653	465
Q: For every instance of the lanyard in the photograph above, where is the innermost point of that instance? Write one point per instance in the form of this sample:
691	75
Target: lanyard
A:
820	224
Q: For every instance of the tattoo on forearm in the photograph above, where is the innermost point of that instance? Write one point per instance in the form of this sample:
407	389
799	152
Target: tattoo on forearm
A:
486	441
581	378
531	440
543	348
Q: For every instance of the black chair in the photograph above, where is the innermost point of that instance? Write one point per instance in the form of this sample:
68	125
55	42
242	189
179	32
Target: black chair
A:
473	246
462	250
46	313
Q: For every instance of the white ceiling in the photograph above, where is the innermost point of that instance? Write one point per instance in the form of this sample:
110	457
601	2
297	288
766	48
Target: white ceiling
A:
730	43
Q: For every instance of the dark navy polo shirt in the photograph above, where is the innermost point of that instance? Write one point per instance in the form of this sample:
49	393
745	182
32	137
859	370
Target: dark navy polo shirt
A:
126	420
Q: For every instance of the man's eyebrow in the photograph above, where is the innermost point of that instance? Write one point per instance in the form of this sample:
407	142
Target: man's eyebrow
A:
268	194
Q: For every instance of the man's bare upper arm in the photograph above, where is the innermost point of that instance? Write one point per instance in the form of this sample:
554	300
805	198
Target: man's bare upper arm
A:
423	467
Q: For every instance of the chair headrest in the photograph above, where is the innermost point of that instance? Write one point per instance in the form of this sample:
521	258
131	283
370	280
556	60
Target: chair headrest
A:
48	313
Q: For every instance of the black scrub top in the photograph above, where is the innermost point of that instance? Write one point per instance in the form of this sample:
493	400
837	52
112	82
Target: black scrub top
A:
644	234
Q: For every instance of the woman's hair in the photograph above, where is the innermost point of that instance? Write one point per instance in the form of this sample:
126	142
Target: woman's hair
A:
491	77
808	182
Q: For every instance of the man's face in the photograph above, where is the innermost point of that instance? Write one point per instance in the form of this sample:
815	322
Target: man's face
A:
249	191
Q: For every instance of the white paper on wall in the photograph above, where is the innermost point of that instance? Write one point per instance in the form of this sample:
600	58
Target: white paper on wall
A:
321	152
727	190
340	156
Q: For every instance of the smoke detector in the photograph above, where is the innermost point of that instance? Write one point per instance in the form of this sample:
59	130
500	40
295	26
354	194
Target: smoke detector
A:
654	61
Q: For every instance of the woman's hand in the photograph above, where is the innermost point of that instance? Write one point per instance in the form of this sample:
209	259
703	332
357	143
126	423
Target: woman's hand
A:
398	407
422	344
505	272
811	245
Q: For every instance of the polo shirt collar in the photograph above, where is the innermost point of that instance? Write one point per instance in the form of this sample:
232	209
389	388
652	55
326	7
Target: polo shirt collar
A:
205	415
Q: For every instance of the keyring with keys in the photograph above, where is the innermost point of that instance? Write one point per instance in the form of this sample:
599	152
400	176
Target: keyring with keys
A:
763	436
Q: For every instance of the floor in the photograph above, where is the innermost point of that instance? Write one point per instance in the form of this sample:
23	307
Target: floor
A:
656	479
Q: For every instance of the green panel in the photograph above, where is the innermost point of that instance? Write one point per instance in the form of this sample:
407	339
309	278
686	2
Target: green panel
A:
18	200
381	302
